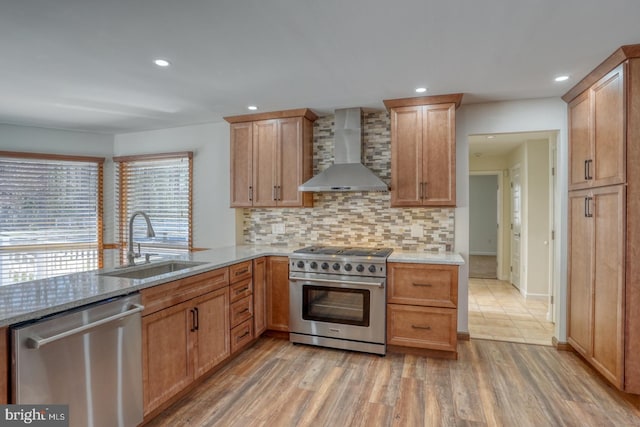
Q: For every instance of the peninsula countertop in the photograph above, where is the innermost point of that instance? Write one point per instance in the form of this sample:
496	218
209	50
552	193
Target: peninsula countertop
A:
32	300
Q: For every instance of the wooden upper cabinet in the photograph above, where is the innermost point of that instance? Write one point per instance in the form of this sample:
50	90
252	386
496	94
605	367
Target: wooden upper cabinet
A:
423	150
596	133
271	155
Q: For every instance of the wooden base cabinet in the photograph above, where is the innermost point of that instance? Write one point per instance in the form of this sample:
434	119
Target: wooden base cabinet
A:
422	302
259	296
183	336
278	294
603	322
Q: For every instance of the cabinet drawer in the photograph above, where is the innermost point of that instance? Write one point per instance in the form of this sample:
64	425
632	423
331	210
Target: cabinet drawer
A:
422	327
240	271
162	296
241	335
241	310
240	290
423	284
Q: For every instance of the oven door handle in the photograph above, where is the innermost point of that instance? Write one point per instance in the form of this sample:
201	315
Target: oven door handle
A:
346	282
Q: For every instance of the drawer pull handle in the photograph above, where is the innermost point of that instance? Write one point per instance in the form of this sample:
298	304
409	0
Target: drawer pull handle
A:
243	311
242	336
242	271
421	327
426	285
239	291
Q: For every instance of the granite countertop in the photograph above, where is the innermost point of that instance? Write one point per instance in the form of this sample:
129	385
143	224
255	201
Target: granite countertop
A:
31	300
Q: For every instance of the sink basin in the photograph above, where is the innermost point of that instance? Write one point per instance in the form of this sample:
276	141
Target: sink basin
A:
150	270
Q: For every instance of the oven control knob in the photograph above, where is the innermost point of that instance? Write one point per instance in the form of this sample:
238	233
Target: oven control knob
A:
300	264
325	266
313	264
348	267
360	268
372	268
336	266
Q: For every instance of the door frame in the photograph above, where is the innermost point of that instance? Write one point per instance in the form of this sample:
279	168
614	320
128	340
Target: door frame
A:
522	285
500	229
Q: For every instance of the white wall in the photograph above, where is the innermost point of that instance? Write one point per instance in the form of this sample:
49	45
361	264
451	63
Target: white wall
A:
502	117
483	204
214	223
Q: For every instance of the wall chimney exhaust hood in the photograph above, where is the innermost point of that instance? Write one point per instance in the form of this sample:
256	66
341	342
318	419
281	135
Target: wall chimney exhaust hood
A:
347	173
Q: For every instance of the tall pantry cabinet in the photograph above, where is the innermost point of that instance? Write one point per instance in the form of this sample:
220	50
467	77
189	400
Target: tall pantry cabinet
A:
604	218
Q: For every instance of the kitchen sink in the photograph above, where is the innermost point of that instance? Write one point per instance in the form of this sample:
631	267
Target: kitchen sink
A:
150	270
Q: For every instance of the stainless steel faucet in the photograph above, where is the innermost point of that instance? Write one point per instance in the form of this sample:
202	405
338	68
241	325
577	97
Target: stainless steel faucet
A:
131	255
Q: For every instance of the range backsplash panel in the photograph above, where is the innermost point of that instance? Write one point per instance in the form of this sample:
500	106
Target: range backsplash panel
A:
361	218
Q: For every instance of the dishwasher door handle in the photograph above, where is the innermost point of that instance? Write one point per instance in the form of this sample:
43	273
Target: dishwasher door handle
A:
36	342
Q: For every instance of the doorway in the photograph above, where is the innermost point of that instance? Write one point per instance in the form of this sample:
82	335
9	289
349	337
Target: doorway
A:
515	306
484	209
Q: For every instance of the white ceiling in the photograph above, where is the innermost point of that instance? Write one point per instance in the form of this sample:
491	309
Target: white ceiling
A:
500	144
87	64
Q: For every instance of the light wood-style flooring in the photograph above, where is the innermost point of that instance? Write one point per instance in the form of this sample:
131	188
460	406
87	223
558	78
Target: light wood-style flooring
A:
276	383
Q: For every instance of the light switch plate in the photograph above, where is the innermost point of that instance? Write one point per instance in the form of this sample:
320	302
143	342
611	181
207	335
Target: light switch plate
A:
277	228
417	231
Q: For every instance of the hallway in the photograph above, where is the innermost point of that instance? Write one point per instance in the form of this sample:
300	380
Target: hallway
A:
497	311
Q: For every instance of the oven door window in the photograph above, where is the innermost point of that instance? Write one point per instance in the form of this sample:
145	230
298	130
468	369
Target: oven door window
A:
336	305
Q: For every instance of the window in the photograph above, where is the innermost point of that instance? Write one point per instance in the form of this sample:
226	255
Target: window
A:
160	185
50	215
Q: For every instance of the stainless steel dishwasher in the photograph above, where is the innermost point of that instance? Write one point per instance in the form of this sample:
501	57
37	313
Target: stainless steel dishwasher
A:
89	358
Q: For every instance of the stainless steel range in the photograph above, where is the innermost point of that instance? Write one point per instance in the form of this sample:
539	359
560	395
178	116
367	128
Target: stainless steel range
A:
337	297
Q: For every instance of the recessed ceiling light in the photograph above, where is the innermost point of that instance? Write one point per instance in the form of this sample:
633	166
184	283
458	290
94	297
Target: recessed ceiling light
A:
490	136
161	62
421	89
252	107
561	78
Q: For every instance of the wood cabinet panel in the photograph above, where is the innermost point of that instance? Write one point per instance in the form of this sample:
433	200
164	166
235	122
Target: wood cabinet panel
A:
580	136
608	282
167	354
290	167
422	284
240	290
406	156
241	311
241	335
241	164
213	342
265	140
579	328
439	155
278	294
240	271
608	129
423	327
259	296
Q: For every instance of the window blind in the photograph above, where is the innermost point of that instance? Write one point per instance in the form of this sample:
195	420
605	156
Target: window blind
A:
161	186
50	215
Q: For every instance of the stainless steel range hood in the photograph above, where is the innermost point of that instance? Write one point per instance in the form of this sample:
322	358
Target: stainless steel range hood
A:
347	173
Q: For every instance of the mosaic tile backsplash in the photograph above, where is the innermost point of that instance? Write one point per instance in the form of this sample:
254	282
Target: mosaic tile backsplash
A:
360	218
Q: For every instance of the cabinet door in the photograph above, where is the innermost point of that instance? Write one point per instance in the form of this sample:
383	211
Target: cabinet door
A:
241	164
265	139
439	155
608	130
579	141
259	295
608	282
579	329
406	156
213	345
167	346
278	294
290	162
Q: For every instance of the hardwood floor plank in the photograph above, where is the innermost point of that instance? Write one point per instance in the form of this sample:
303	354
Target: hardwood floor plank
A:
276	383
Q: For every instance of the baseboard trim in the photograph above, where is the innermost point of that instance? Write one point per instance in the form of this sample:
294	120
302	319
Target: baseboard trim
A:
483	253
464	336
561	346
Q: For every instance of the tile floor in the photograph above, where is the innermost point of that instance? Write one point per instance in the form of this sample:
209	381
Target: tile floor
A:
498	311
